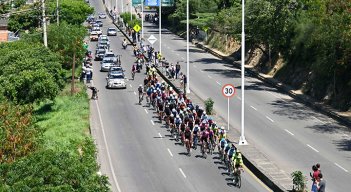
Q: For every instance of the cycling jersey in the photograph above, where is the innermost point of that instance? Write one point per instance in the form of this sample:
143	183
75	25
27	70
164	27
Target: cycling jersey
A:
196	129
177	121
231	152
187	134
223	142
226	148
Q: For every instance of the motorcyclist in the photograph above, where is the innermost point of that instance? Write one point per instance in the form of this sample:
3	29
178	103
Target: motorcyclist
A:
124	44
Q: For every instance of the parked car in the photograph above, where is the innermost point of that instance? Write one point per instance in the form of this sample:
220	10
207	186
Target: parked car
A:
99	22
102	15
99	54
116	81
111	32
93	36
106	63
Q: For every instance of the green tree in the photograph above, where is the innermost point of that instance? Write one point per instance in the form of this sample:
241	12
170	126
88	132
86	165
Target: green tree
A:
59	170
71	11
26	18
29	72
65	39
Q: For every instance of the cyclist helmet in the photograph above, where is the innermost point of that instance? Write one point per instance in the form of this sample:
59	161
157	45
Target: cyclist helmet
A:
172	115
177	116
222	128
140	85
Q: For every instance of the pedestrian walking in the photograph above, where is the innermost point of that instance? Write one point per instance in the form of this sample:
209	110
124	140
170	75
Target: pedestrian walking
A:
177	69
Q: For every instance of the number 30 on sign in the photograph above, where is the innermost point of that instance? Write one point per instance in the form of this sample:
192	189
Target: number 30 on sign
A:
228	90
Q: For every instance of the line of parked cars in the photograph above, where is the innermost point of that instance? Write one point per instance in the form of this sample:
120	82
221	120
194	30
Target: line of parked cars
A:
109	62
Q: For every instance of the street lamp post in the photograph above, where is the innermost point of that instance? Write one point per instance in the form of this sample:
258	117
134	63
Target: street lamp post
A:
187	48
142	18
44	24
242	140
131	15
159	20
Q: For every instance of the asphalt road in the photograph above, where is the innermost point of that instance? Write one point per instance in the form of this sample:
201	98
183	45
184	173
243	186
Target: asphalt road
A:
137	153
290	134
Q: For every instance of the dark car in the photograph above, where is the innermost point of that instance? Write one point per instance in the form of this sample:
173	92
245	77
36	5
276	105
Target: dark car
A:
99	54
99	22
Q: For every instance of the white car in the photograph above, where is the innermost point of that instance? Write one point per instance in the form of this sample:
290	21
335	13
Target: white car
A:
106	63
97	30
116	81
102	15
111	32
103	38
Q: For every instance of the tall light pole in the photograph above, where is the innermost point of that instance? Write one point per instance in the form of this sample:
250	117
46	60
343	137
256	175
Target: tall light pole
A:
159	19
242	140
187	48
131	15
44	23
122	6
142	18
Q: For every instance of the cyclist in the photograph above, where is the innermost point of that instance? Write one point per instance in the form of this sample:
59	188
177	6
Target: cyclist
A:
188	138
196	135
141	93
204	139
231	152
133	71
222	143
124	43
237	162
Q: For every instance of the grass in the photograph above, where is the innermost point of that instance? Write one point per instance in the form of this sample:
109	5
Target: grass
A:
65	119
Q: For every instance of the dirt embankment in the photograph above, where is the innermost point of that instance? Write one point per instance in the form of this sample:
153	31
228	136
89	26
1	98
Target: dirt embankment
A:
299	77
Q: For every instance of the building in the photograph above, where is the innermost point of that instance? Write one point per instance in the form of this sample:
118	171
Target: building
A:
3	30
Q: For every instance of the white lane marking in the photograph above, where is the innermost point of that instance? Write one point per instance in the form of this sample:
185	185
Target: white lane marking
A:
195	66
218	83
170	153
313	148
106	146
289	132
130	85
318	119
345	135
177	54
152	122
182	172
201	71
146	111
160	135
134	93
209	76
239	98
253	108
341	167
183	58
269	119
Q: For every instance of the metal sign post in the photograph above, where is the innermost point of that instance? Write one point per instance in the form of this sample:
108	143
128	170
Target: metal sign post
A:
228	91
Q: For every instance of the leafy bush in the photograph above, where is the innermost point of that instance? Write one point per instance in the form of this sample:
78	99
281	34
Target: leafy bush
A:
209	106
29	72
55	170
299	181
18	134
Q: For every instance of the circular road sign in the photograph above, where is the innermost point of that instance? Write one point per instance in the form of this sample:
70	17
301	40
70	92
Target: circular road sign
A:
228	90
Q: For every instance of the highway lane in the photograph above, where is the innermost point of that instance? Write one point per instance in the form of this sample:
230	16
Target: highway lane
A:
143	156
289	133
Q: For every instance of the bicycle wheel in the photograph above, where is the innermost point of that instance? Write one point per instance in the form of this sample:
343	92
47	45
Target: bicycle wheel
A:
238	183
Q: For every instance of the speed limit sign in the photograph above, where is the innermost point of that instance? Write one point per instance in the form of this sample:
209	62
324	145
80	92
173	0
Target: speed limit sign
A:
228	90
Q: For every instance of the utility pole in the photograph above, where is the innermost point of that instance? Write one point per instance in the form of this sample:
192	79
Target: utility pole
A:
57	12
44	23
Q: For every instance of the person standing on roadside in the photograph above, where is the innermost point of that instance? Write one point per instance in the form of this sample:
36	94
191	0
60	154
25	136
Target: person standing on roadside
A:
321	183
177	68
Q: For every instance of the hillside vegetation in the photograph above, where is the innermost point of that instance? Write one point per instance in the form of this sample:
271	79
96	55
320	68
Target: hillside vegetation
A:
310	39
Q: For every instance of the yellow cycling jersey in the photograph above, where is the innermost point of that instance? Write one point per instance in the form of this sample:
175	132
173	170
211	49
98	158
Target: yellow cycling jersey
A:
222	136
